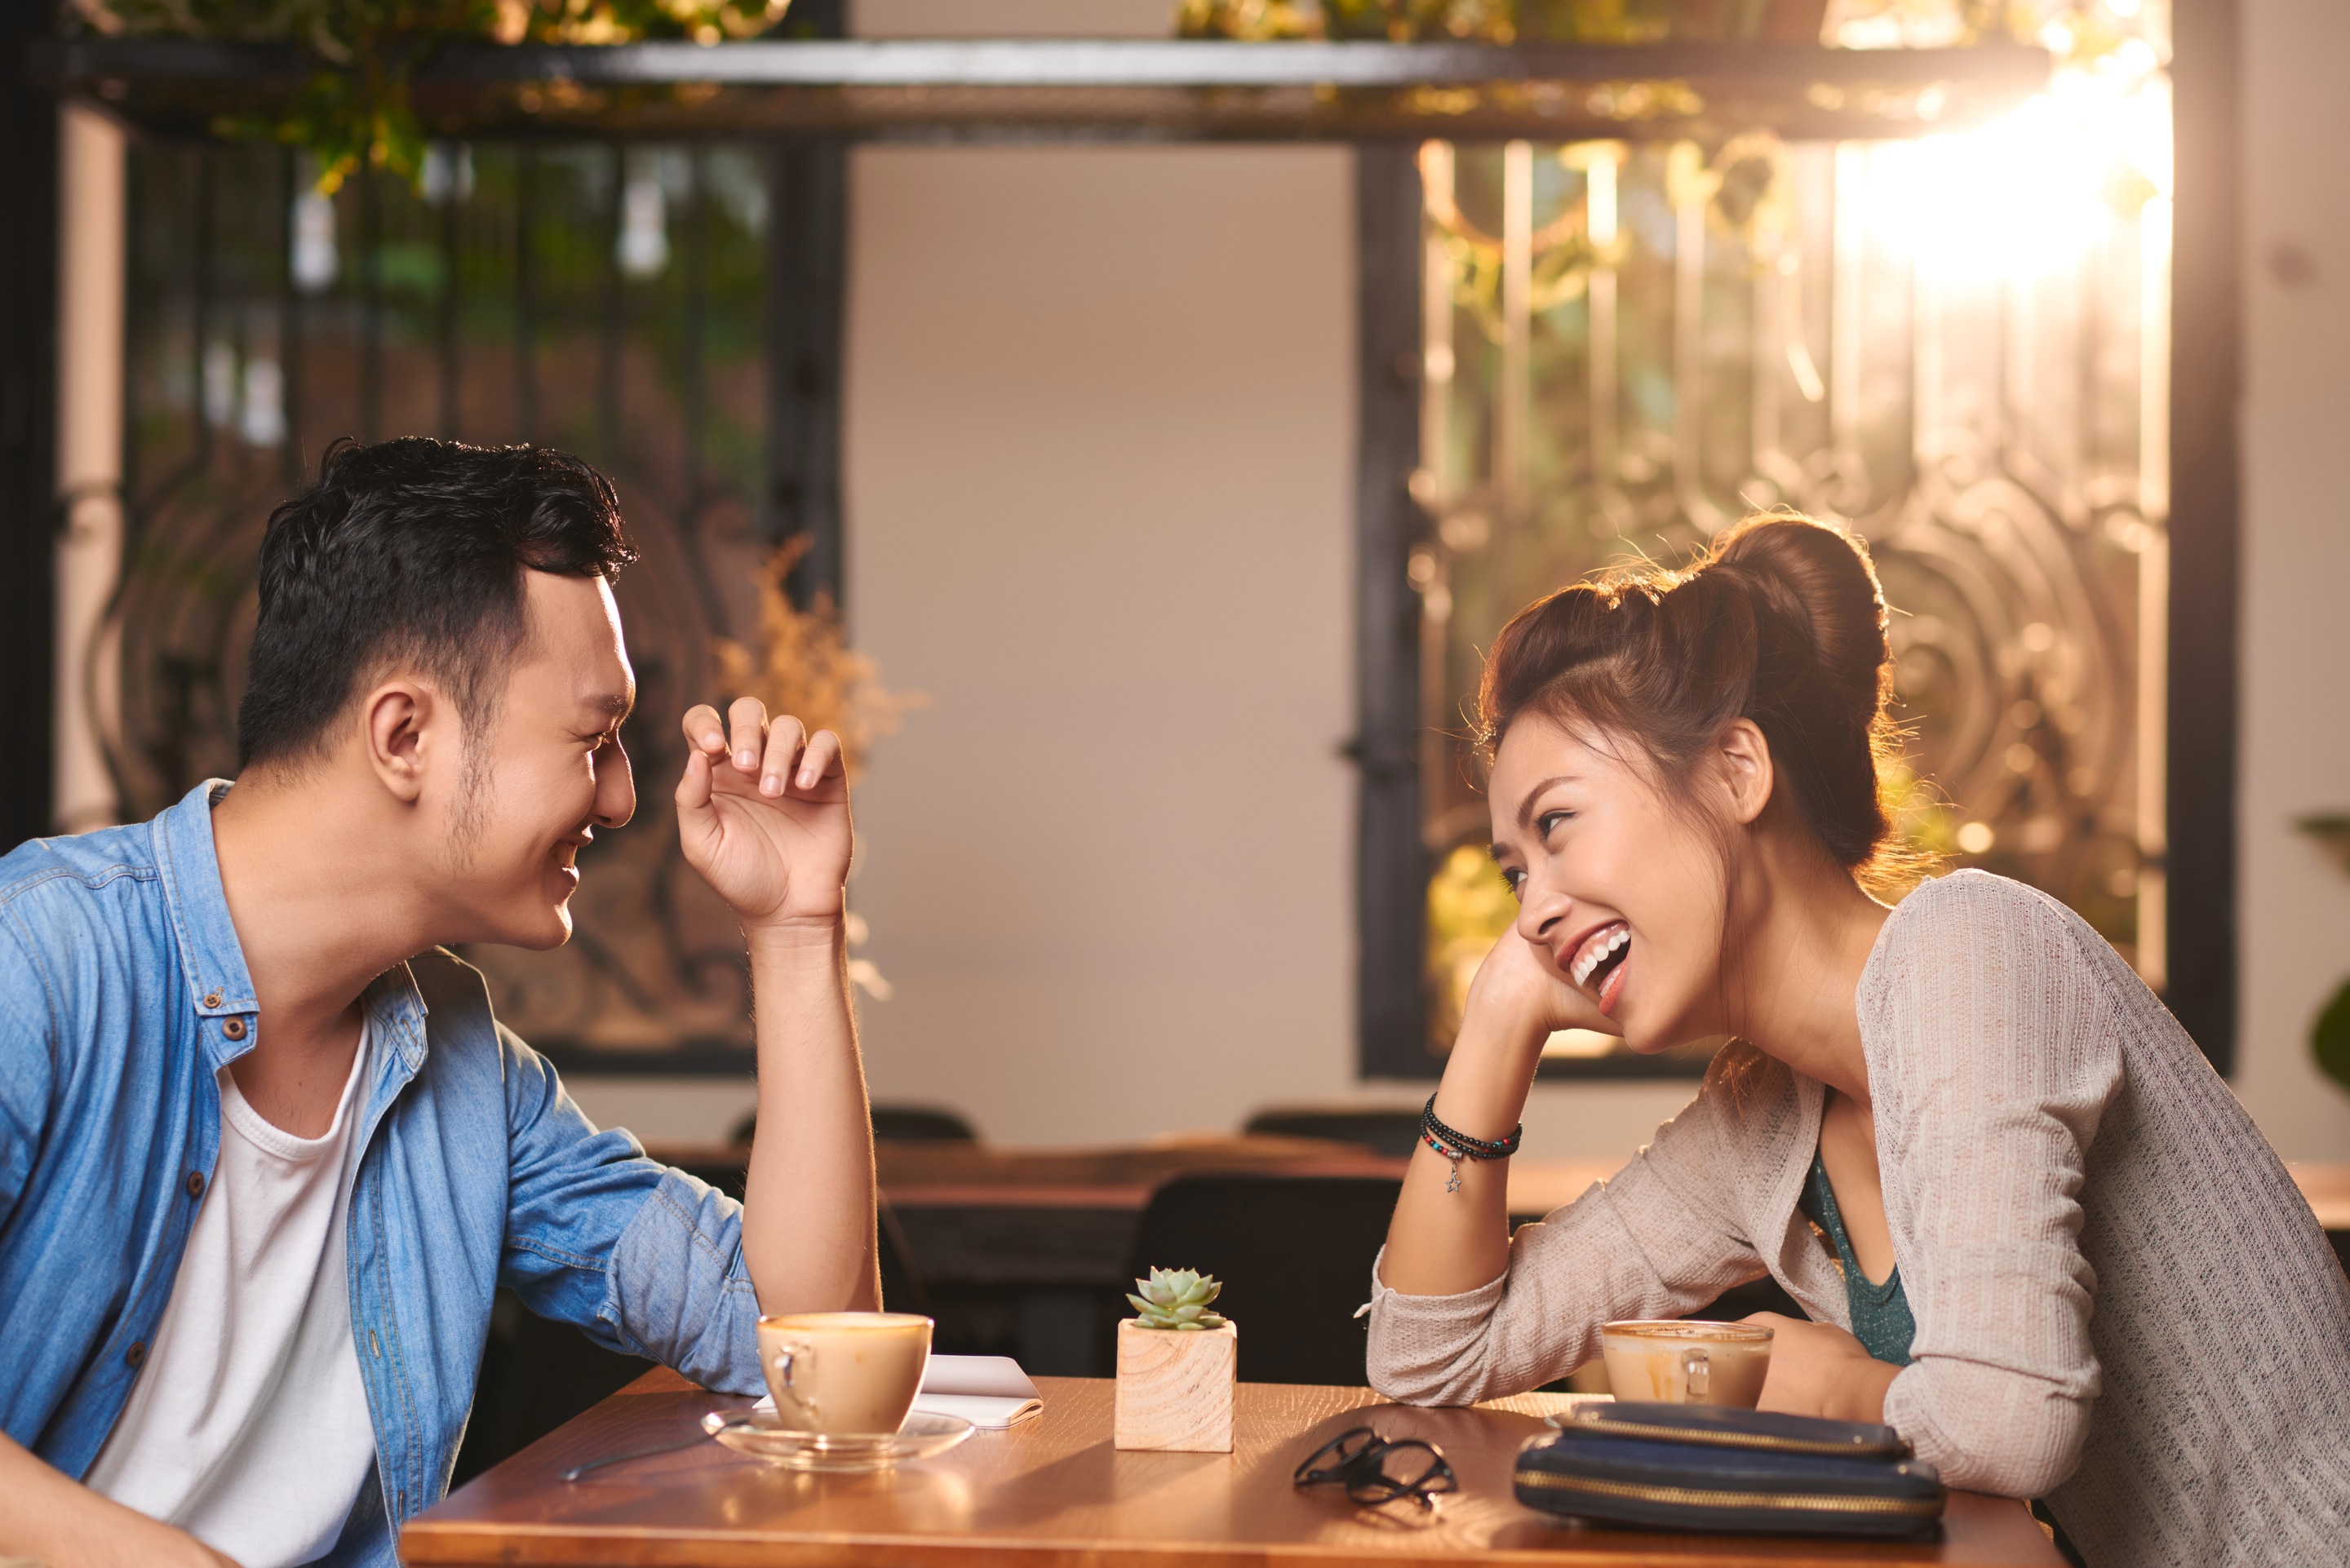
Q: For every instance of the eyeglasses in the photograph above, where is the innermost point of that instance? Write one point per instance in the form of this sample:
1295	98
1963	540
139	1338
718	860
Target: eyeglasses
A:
1375	1471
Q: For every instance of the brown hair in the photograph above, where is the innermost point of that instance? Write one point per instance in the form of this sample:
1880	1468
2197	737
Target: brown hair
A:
1781	621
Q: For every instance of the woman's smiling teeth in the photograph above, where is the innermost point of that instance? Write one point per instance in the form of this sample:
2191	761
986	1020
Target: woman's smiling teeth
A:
1600	950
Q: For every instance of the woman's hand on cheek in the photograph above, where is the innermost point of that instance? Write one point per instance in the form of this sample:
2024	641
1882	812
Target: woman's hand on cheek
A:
1818	1369
1518	991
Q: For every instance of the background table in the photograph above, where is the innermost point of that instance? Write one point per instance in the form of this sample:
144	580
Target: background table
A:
978	1213
1053	1493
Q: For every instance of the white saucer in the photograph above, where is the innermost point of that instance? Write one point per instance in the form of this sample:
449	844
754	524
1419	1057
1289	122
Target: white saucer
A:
756	1433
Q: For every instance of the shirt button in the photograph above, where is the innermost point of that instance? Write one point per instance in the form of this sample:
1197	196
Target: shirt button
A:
233	1029
136	1354
211	999
195	1184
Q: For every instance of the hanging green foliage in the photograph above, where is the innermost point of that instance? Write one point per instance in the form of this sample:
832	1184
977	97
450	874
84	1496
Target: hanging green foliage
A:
354	110
2076	30
2329	1037
1496	21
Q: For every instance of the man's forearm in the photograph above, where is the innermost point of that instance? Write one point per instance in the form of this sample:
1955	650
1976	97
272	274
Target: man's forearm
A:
807	1222
50	1518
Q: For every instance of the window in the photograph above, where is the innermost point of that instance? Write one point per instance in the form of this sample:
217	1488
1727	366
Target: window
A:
1958	345
631	304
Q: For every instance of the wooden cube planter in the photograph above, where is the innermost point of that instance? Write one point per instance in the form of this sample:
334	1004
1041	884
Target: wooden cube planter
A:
1175	1388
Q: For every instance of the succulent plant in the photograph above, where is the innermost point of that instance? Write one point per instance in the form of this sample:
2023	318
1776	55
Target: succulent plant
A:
1177	1298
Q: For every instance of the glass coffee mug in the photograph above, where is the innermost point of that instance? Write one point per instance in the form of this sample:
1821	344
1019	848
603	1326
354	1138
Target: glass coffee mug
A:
843	1374
1682	1361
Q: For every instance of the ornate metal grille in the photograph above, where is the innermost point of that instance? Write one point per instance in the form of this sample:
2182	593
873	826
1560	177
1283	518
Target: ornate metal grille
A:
608	300
1963	357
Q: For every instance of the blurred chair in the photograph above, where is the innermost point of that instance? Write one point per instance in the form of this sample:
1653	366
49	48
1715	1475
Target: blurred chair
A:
922	1124
1393	1133
900	1123
1294	1253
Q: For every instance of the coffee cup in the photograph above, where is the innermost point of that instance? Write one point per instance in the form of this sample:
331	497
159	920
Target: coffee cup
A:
1680	1360
843	1374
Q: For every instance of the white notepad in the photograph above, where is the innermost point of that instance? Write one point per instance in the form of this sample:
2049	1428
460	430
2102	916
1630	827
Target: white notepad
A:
991	1392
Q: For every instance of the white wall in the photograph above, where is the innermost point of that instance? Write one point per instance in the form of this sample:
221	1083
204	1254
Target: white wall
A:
2297	672
1098	442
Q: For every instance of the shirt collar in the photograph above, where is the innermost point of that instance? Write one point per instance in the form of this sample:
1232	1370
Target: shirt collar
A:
396	1014
209	954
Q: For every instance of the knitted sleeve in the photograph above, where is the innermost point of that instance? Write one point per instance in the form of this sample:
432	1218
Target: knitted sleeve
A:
1993	1058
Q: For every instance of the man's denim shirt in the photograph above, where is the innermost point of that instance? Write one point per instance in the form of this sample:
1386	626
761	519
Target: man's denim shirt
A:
123	993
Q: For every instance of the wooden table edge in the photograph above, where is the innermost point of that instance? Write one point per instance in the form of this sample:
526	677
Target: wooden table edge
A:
480	1543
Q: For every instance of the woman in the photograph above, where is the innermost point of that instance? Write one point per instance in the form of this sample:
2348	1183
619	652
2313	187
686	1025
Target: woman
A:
1961	1126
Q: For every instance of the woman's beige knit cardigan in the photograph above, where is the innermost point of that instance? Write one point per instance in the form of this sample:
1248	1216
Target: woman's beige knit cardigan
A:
2123	1303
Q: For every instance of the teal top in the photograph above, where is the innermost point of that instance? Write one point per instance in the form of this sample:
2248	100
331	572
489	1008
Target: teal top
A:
1880	1313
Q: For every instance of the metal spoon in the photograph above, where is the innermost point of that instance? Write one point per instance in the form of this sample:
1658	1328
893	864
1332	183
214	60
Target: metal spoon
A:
713	1424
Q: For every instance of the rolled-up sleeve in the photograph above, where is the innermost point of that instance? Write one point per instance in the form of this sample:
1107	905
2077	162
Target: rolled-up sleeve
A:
645	1258
1659	1239
1999	1057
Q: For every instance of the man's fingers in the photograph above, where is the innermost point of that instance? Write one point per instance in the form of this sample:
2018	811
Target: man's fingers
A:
693	785
698	830
782	755
704	731
821	760
748	718
784	738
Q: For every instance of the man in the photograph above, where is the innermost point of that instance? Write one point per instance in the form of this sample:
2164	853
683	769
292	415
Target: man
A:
264	1155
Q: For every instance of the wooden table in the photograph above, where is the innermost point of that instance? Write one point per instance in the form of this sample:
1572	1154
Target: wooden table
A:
1053	1493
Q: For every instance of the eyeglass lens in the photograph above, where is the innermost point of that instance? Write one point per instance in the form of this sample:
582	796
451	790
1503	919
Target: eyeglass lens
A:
1410	1468
1336	1457
1375	1471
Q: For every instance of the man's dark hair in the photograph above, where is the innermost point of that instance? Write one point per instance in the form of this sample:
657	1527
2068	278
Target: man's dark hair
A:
412	552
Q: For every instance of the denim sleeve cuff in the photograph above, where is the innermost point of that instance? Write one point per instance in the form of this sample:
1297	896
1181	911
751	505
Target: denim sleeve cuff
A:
678	1288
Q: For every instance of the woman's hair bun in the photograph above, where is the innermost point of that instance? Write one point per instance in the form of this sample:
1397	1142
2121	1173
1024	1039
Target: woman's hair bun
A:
1781	623
1817	578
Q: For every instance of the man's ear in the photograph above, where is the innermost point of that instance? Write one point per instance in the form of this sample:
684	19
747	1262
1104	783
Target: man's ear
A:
1746	769
405	721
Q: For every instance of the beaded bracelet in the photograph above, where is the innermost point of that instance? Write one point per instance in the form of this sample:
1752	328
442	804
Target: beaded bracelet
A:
1458	1147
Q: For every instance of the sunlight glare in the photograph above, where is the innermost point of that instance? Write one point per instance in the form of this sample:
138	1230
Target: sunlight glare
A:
2026	195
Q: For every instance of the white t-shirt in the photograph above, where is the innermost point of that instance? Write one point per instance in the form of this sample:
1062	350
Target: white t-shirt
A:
249	1427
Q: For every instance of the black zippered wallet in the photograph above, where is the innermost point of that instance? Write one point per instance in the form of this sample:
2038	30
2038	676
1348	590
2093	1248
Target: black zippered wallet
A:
1707	1466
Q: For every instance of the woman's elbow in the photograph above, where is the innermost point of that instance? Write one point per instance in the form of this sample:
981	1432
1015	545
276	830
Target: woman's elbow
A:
1418	1386
2028	1457
1419	1389
1402	1389
1423	1375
